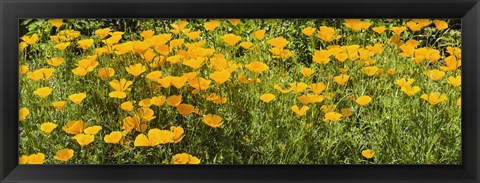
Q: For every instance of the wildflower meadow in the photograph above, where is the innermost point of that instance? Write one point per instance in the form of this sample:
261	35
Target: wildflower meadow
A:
240	91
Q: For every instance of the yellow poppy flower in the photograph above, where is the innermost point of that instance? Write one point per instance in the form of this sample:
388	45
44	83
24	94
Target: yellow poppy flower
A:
455	81
64	154
457	52
280	53
127	106
146	114
327	34
22	69
259	34
193	35
62	46
413	26
332	116
306	72
84	139
147	34
434	74
199	83
210	26
322	56
216	99
56	22
174	100
434	98
21	46
212	120
376	49
155	137
398	30
158	101
119	87
74	127
112	40
404	82
363	100
246	45
43	92
298	87
106	72
379	29
30	39
357	24
179	27
431	54
136	69
452	63
38	158
459	102
278	42
194	63
55	61
317	88
43	73
177	133
165	82
367	153
79	71
102	33
48	127
113	138
142	141
341	79
234	22
256	67
300	111
268	97
92	130
308	31
85	44
85	65
307	99
231	39
77	98
420	54
370	71
23	160
185	158
176	43
130	123
185	109
410	90
145	102
220	76
440	24
23	113
190	75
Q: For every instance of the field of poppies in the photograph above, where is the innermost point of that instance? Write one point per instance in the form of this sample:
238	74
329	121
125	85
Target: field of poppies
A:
240	91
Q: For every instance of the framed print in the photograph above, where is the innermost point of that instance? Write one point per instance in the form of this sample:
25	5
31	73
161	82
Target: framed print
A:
267	91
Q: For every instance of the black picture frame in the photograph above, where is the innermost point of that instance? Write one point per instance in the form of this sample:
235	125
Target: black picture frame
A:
13	10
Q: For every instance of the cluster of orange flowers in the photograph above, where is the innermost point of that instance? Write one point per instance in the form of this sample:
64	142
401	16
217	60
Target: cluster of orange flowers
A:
201	70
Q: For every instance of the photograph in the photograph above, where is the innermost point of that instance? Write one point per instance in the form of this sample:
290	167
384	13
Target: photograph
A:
327	91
